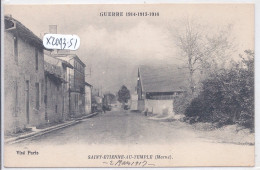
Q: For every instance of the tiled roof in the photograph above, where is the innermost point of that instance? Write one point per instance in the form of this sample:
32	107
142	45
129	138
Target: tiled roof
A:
54	60
51	66
52	69
162	78
14	25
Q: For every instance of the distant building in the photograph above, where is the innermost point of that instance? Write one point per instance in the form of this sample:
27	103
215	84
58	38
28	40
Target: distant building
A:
76	79
108	100
157	86
96	100
56	92
88	93
24	77
134	102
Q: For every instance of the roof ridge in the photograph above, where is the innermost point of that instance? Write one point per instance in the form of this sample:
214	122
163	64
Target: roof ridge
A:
11	18
161	78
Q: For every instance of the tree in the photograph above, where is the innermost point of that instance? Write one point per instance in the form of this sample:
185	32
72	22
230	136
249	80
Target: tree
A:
201	51
227	96
189	43
123	94
110	97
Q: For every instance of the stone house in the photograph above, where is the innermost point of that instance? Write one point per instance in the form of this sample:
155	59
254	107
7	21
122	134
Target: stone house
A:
56	93
76	80
23	77
157	86
88	93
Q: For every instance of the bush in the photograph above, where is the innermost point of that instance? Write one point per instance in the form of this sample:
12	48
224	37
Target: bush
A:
180	103
227	97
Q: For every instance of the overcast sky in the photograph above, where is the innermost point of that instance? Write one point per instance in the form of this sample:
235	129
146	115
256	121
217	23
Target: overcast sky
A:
113	47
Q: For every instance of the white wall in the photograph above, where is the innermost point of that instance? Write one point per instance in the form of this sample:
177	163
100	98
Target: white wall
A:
159	106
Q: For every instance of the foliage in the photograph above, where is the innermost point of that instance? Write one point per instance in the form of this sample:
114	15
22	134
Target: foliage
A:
202	50
123	94
109	98
227	97
181	102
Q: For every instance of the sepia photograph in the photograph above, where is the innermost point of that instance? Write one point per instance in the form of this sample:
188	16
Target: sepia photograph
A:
128	85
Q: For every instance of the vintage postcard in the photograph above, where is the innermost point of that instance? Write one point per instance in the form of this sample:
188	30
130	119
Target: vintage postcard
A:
130	85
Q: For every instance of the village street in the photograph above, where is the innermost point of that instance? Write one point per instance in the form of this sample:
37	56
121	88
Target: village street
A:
123	128
115	127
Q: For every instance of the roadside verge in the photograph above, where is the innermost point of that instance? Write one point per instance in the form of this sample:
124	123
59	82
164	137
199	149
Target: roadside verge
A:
39	132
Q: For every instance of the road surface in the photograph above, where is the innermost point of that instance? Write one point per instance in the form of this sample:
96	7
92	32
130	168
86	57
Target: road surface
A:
124	132
118	127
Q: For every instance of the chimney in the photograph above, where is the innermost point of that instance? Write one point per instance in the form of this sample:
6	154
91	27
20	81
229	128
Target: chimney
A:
53	29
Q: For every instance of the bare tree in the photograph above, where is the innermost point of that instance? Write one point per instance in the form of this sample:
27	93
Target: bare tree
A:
189	45
201	51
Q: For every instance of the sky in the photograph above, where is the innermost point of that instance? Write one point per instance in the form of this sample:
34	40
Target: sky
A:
114	47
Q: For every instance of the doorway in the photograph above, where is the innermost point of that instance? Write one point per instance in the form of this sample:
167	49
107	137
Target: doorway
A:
27	102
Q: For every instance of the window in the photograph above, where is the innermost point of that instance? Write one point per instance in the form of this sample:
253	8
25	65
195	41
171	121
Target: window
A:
76	101
16	49
36	59
37	94
42	91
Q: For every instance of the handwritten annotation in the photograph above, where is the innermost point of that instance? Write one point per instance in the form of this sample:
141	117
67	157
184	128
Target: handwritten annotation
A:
61	42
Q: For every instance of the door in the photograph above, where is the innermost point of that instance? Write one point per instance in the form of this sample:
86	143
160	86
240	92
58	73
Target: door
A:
27	102
45	99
